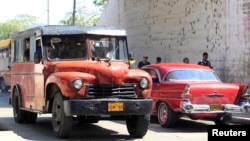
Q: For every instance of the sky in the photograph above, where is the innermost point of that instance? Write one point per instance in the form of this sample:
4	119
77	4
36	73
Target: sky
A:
57	9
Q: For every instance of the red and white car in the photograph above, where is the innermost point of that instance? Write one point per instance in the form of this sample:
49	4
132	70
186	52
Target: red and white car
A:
195	91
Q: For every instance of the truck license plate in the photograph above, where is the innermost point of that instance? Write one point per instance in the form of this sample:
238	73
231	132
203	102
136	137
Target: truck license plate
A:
115	106
215	107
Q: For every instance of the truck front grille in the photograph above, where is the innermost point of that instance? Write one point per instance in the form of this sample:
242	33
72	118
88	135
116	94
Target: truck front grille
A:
107	91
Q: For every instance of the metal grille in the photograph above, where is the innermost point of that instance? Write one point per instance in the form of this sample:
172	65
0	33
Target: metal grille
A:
106	91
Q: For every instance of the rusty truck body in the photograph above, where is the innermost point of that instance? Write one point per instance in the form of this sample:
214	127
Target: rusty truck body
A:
78	72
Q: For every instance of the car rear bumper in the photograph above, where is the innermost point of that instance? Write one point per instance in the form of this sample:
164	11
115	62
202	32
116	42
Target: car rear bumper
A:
188	107
95	107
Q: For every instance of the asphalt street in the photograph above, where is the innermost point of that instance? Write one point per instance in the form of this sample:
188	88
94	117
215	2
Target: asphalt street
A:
6	134
241	118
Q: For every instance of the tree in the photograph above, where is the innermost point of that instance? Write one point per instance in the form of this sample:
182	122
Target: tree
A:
19	23
100	2
83	17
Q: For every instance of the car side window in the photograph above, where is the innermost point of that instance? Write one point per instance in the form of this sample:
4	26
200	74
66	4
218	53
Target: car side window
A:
169	77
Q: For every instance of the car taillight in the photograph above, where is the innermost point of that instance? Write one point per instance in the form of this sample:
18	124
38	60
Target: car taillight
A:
246	94
187	96
186	93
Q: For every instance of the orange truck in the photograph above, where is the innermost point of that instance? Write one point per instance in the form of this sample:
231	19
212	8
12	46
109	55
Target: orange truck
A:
5	47
78	73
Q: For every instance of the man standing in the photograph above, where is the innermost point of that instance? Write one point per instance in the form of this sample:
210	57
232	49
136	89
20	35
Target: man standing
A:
158	60
143	62
39	48
205	61
186	60
26	53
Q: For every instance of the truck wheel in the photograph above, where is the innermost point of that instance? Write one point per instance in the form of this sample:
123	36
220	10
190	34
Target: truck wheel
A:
62	124
3	86
166	116
31	117
19	115
137	125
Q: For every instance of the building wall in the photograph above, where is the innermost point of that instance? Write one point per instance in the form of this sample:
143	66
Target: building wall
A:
174	29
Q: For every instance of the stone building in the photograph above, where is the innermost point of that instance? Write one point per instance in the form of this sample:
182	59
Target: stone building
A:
174	29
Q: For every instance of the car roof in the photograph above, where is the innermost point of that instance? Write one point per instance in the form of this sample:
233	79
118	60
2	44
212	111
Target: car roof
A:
167	67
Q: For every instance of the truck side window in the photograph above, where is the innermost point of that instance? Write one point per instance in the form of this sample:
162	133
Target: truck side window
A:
26	54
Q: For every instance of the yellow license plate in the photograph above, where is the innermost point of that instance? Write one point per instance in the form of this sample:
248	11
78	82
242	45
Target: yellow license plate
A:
115	106
215	107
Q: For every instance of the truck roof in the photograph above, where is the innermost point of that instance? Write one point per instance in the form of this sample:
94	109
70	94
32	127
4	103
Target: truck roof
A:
66	30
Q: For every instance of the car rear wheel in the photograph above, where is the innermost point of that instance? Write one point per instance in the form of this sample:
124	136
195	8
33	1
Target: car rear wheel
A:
166	116
223	119
62	124
137	125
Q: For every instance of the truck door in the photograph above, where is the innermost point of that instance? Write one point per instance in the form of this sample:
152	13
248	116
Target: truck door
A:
38	76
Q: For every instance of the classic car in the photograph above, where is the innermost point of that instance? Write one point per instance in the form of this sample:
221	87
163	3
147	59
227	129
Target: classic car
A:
196	92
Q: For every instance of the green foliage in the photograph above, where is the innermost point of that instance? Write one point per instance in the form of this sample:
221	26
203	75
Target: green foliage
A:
99	2
83	17
19	23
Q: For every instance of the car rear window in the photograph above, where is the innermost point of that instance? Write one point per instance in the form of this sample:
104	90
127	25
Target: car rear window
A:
191	75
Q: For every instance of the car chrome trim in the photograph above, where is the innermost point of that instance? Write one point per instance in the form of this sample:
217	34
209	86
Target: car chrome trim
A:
188	108
215	94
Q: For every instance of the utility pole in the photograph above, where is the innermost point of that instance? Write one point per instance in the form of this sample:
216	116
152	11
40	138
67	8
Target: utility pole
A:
74	12
48	12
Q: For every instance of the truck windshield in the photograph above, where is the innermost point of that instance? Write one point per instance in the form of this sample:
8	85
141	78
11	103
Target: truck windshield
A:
113	48
62	47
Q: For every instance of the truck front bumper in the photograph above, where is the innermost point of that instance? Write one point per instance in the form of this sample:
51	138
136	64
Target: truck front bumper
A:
95	107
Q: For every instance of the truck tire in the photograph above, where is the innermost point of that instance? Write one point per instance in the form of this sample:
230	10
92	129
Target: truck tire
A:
137	125
62	124
166	116
19	115
3	86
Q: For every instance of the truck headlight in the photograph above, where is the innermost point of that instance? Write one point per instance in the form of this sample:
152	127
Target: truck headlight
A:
77	84
144	83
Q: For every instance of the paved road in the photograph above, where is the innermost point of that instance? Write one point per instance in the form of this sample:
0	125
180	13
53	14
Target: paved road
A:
7	134
242	118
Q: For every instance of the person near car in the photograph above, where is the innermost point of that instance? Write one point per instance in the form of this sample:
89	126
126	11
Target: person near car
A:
186	60
158	60
205	61
143	62
26	54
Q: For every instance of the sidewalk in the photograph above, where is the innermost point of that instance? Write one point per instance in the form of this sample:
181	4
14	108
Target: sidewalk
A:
6	134
10	135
